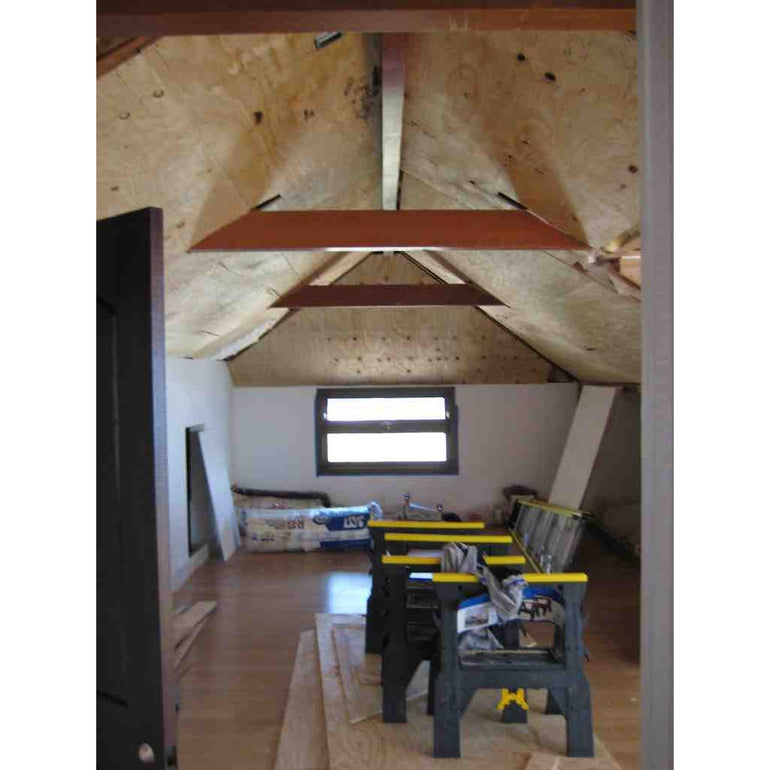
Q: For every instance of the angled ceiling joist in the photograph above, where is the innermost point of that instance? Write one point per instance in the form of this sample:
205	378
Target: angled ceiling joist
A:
388	231
122	51
393	82
387	295
209	17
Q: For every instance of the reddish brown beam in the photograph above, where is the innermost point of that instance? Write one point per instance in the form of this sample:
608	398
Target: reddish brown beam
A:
388	295
116	56
388	231
213	17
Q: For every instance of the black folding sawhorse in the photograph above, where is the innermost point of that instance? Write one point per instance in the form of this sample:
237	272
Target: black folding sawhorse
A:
376	606
411	634
558	669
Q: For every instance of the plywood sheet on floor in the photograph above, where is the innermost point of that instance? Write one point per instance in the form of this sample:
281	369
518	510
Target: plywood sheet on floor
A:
303	734
485	740
363	697
538	761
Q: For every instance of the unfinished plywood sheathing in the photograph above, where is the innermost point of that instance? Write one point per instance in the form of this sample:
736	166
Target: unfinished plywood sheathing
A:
550	121
320	346
582	325
547	118
208	128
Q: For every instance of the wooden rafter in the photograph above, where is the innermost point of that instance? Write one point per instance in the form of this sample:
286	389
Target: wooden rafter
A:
387	231
387	295
393	82
123	51
209	17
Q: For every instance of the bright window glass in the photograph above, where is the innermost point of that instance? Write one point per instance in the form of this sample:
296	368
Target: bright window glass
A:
386	447
362	409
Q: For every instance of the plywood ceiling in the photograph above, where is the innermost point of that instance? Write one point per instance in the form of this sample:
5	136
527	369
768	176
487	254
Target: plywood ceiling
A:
386	346
209	127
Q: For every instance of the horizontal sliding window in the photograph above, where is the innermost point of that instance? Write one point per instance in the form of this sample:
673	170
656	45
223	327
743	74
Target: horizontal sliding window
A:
399	431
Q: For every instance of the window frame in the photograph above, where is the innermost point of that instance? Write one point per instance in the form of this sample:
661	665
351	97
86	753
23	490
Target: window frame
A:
448	467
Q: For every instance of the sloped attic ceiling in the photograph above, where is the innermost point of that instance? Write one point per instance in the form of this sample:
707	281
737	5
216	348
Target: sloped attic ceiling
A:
209	127
388	346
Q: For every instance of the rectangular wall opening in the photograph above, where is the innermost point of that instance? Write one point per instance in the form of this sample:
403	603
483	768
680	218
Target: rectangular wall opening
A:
200	512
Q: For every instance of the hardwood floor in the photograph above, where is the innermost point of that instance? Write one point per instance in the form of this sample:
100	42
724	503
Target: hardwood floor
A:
233	697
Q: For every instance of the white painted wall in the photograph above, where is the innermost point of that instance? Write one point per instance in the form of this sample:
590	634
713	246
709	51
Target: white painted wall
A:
507	434
197	391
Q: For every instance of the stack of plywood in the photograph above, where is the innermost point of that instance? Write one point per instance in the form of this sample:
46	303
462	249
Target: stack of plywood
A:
333	722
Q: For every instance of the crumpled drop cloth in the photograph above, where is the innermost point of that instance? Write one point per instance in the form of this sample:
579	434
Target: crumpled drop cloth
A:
506	596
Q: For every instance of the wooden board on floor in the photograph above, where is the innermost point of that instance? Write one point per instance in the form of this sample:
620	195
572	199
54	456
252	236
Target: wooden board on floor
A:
303	734
540	761
186	626
485	740
188	618
181	652
363	697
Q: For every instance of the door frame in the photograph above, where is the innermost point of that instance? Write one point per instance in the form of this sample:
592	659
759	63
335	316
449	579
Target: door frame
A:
655	25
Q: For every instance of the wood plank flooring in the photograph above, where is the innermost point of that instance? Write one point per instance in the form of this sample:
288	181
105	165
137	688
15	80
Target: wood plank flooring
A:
233	698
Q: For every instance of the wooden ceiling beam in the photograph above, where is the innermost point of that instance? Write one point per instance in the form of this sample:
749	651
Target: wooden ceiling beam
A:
393	83
387	295
125	50
388	231
208	17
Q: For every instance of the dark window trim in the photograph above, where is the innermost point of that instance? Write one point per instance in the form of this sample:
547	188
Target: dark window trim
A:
450	467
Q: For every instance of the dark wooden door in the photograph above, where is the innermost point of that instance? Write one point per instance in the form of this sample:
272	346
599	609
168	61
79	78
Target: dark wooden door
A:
134	704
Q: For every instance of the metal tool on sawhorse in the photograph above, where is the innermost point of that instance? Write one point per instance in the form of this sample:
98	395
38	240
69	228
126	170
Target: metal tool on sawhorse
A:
548	534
